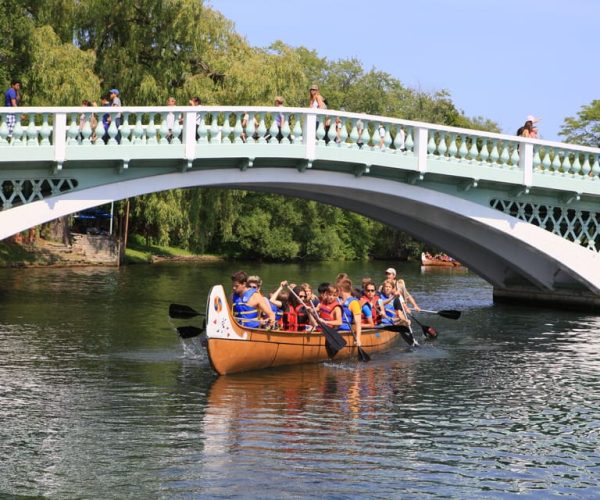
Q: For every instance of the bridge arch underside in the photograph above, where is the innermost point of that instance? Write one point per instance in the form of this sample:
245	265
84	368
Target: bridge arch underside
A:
522	262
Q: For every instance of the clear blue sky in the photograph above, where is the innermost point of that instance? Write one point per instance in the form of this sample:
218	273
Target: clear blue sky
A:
501	59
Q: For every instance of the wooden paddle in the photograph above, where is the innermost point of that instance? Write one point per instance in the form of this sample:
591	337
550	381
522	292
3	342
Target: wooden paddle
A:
183	312
446	313
405	311
428	331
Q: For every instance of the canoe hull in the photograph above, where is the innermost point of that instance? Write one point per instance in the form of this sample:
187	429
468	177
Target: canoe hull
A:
233	348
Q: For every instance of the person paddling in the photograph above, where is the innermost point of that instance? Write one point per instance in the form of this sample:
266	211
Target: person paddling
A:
351	311
247	303
400	289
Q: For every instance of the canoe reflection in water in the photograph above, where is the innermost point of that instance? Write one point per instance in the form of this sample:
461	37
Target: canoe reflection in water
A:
295	409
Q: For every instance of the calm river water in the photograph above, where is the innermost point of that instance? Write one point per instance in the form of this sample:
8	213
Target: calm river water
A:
99	398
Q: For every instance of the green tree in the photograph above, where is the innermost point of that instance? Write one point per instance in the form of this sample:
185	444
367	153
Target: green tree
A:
585	127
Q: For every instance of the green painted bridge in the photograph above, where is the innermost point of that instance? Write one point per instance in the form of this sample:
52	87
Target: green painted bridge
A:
522	213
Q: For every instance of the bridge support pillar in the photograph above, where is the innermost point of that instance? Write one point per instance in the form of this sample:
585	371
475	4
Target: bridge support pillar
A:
580	300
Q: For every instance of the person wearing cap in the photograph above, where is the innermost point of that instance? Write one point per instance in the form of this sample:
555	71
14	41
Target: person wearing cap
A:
400	289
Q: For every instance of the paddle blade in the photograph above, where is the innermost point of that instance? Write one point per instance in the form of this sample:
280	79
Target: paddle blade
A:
429	331
450	314
188	332
333	340
182	311
363	355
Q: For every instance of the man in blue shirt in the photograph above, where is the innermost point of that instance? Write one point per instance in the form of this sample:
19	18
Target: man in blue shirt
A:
12	98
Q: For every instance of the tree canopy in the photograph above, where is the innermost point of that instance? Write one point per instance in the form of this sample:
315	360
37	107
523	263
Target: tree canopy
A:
67	50
585	127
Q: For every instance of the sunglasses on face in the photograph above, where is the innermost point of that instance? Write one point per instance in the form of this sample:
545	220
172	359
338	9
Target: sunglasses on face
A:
302	296
370	290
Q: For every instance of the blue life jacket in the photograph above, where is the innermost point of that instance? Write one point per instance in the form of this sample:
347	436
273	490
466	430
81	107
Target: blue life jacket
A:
277	311
390	311
244	313
347	317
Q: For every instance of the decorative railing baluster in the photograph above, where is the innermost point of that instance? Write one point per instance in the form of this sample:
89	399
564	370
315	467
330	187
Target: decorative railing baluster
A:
410	142
262	129
3	131
176	131
73	131
163	130
321	130
214	129
473	151
86	130
285	129
45	131
431	146
462	150
125	129
99	132
442	148
344	133
226	130
504	156
274	129
138	130
298	133
113	131
32	132
595	167
17	135
484	152
575	166
586	167
514	157
202	130
151	131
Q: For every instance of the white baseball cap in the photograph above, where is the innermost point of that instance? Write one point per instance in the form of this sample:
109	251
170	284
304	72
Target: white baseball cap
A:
390	270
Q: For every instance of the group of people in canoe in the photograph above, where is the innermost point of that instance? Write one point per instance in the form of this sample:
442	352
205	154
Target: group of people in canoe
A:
338	305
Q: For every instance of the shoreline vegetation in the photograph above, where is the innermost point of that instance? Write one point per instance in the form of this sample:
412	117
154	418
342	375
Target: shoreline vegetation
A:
47	253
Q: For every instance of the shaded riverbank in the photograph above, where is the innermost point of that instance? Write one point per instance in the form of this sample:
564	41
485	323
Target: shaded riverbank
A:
47	253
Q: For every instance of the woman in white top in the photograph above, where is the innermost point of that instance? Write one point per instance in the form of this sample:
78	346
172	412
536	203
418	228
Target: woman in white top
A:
315	98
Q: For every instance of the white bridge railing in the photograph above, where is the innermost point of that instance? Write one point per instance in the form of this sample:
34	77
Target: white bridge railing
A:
61	134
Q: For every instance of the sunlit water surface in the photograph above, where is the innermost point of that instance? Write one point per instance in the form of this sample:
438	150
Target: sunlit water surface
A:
100	398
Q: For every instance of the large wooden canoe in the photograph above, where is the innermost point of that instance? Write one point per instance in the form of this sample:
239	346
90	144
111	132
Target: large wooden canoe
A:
233	348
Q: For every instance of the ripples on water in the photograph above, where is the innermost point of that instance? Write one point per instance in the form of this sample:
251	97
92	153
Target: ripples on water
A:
99	398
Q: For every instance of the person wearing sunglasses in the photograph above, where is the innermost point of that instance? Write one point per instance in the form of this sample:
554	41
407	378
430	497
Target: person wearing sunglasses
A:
370	299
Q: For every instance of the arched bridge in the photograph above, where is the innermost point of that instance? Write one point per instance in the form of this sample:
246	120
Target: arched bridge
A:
522	213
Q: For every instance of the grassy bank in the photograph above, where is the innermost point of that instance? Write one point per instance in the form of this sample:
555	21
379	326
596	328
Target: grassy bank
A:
138	253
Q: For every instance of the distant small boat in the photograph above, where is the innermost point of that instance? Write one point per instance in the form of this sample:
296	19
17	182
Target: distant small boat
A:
233	348
439	260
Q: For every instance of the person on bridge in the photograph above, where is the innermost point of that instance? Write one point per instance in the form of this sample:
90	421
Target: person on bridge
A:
171	119
315	99
12	99
115	100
